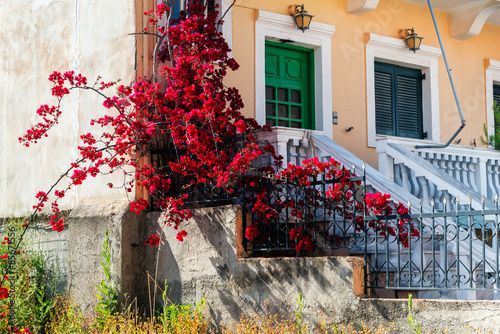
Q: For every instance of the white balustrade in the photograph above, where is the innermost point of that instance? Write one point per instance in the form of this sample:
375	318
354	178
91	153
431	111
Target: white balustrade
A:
478	169
294	145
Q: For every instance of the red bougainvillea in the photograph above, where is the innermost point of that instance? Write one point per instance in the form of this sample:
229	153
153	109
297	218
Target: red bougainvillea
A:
184	103
304	201
153	240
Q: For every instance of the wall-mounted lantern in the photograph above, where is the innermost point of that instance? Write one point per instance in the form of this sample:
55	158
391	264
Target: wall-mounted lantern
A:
300	16
411	39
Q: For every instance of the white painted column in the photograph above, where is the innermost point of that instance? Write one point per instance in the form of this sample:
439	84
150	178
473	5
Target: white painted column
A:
482	176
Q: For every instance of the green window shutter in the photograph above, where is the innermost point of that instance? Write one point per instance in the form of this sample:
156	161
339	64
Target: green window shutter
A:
383	103
496	97
398	101
409	103
289	86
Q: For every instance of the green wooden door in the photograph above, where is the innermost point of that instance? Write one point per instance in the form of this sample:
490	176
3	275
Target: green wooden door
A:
289	86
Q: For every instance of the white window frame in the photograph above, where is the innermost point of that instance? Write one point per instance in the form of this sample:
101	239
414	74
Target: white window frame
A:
394	51
227	26
275	27
227	30
492	75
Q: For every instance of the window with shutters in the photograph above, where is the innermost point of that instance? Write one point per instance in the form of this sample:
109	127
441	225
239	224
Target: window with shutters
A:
496	98
401	105
179	5
289	86
492	83
224	9
398	101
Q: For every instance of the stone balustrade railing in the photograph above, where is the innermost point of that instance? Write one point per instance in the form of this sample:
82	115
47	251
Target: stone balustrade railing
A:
455	171
296	145
477	169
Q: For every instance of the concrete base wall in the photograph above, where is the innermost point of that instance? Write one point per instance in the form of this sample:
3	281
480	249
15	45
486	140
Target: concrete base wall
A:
75	254
86	234
209	265
53	245
206	265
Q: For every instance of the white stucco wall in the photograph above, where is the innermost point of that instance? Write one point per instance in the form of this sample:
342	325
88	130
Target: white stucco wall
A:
36	38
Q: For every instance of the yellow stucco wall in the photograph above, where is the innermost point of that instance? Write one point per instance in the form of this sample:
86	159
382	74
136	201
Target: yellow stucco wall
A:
466	58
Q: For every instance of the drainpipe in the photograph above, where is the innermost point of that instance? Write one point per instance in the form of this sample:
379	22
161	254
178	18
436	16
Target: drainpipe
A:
452	86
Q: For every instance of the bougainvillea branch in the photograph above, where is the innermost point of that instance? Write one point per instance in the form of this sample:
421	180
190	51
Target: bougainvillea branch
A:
184	102
185	105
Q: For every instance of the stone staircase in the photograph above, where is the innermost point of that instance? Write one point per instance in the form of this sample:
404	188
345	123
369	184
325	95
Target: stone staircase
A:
428	180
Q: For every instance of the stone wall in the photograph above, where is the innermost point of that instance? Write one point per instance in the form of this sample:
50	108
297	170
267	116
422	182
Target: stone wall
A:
75	254
54	247
86	234
207	265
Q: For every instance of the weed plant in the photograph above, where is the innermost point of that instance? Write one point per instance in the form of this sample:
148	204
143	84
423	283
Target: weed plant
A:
30	285
108	296
176	319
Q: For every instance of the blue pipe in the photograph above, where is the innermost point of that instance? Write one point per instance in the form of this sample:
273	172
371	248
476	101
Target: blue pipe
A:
451	82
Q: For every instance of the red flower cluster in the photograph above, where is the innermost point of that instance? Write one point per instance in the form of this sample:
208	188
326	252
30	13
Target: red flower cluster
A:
304	240
181	235
139	205
303	207
252	232
4	293
153	240
57	226
378	203
6	241
16	330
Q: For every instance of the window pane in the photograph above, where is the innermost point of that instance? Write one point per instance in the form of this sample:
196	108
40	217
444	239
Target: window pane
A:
496	97
297	125
295	96
282	110
296	112
283	94
270	122
282	123
270	109
270	94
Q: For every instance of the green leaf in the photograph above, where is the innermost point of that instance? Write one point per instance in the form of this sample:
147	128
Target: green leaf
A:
107	273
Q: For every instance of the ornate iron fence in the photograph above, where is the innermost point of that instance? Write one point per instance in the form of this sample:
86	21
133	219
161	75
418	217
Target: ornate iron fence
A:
455	250
427	251
282	214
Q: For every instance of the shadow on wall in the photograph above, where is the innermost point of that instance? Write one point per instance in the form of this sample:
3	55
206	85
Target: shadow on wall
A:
160	265
206	265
